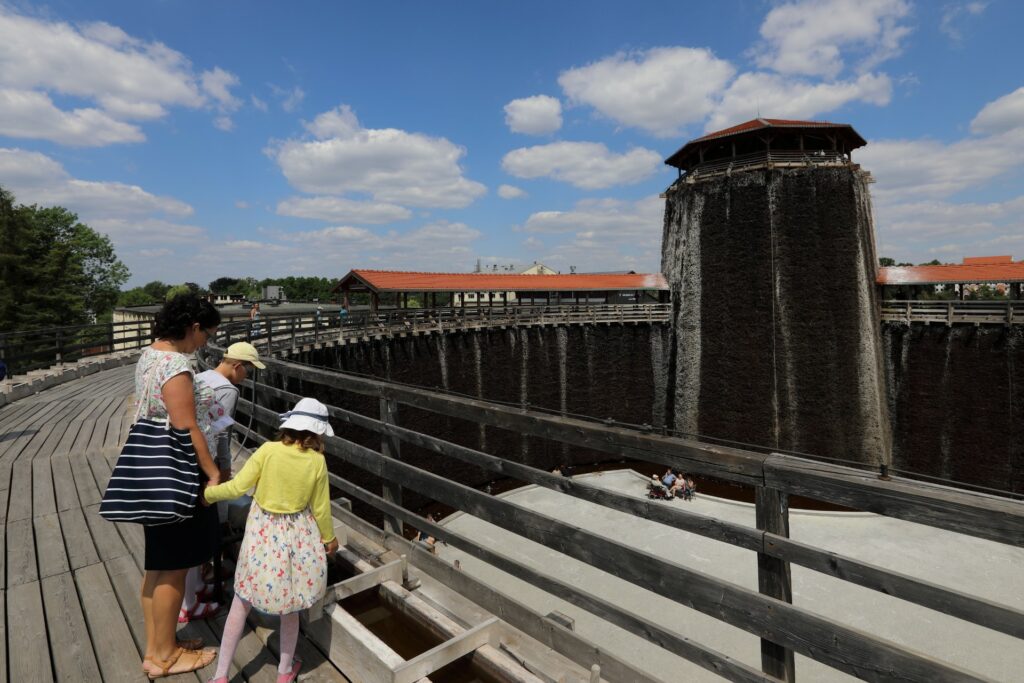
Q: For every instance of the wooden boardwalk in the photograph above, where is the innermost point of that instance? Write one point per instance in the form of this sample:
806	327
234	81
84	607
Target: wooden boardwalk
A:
70	596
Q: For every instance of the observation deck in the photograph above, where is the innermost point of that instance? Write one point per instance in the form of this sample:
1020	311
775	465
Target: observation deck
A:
766	143
71	579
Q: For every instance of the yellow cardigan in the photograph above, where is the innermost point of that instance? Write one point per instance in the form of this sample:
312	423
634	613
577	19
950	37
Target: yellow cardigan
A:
287	479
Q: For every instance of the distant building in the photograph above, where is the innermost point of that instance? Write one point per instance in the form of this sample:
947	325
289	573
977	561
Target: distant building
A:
472	290
500	298
274	293
1000	272
226	299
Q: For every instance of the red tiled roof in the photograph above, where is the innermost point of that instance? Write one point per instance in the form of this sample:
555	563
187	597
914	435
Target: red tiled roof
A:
986	260
1003	271
755	124
401	281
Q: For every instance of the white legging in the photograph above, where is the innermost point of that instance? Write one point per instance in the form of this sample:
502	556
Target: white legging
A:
233	633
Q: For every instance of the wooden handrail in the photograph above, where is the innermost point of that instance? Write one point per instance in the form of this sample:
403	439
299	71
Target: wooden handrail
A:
952	312
783	628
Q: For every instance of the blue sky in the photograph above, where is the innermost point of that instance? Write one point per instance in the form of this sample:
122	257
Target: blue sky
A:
235	138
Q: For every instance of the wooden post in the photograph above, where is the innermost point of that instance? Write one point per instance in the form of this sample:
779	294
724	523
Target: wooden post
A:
390	448
60	346
773	576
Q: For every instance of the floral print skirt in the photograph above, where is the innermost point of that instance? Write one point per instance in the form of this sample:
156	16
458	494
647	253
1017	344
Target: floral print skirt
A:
282	564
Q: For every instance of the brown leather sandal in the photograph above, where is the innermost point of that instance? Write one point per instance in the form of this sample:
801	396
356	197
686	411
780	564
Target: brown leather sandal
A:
182	661
190	644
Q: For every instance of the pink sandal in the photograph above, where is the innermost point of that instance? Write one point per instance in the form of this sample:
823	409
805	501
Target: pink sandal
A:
202	610
293	674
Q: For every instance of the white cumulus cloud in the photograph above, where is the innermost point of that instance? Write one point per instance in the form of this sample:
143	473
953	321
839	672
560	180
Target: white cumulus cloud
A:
906	169
953	15
510	192
127	78
1001	115
35	178
32	114
608	219
537	115
659	90
341	210
809	37
587	165
437	246
390	165
786	97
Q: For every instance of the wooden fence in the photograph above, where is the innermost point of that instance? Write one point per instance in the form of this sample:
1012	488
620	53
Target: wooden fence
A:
768	613
949	313
292	332
24	352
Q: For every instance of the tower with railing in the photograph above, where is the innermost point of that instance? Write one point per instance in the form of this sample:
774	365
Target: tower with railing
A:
770	256
767	143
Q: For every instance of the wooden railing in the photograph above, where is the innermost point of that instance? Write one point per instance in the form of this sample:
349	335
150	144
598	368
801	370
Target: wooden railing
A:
1005	312
768	159
284	331
24	352
768	613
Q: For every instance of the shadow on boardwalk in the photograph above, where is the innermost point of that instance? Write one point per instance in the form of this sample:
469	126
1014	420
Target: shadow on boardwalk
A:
72	579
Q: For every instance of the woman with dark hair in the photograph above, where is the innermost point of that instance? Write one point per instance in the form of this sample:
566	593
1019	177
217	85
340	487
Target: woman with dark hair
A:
164	389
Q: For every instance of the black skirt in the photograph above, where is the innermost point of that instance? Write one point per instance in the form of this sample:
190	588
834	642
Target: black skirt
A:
183	544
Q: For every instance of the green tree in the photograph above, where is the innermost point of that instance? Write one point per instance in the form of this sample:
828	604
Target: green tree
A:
303	288
156	290
15	275
137	296
226	285
54	269
176	290
885	262
933	262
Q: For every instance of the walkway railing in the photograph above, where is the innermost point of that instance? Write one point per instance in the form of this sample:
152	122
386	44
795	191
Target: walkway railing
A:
768	613
1006	312
24	352
297	330
768	159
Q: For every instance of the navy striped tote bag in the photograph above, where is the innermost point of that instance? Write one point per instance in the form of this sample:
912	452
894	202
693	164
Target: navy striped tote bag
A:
156	477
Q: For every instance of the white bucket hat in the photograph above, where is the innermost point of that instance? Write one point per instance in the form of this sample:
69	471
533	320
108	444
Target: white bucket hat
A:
308	415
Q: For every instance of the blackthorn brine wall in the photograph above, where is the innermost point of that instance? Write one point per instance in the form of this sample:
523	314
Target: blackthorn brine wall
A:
601	371
956	395
776	335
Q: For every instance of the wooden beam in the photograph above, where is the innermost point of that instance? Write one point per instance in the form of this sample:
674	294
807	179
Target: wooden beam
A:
967	512
690	456
773	576
860	654
943	507
390	448
849	650
466	585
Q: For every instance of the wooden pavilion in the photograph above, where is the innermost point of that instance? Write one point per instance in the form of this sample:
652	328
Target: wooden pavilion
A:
767	142
907	282
502	289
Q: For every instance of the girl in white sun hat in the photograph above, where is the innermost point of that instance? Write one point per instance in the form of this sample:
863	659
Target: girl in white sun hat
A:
282	565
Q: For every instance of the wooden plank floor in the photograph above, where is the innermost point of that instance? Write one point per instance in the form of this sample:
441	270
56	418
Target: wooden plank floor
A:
69	599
